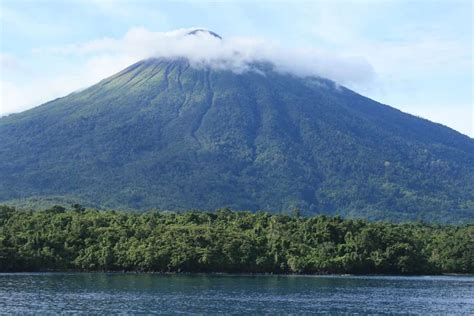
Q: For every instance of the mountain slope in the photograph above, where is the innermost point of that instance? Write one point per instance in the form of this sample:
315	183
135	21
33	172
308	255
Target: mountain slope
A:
163	134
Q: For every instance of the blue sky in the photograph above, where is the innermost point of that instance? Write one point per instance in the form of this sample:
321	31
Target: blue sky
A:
413	55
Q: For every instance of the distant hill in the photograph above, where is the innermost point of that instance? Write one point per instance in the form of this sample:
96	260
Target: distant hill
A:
163	134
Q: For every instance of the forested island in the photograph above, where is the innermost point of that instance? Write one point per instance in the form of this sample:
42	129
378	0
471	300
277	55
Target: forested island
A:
82	239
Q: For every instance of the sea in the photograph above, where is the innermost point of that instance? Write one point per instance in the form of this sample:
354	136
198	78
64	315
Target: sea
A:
216	294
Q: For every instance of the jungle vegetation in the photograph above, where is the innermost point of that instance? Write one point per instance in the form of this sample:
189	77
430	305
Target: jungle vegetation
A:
80	239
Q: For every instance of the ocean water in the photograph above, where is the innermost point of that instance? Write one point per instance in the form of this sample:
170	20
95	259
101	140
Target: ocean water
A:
121	293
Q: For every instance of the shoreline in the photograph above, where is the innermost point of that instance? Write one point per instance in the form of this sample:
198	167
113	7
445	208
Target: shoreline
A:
236	274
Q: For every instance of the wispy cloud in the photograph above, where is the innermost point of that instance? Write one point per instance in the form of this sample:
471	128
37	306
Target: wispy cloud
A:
17	95
406	54
106	56
236	53
9	62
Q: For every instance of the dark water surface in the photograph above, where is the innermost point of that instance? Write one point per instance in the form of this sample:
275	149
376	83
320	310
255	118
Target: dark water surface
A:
102	293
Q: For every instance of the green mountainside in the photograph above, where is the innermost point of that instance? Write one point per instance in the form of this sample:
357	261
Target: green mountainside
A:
163	134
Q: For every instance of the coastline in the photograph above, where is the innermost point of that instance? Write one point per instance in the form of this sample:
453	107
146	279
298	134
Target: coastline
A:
235	274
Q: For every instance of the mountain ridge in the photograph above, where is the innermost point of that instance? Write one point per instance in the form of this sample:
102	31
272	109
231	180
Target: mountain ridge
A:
168	134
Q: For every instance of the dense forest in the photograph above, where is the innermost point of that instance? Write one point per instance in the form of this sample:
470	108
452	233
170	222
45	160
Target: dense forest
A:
225	241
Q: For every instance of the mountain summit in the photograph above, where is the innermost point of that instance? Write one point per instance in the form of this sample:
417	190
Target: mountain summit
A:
199	31
164	134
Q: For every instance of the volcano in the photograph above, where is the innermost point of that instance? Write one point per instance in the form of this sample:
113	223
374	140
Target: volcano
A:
166	134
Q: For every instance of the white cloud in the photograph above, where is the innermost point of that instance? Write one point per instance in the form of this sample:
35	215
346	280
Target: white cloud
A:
106	56
236	53
103	57
17	96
